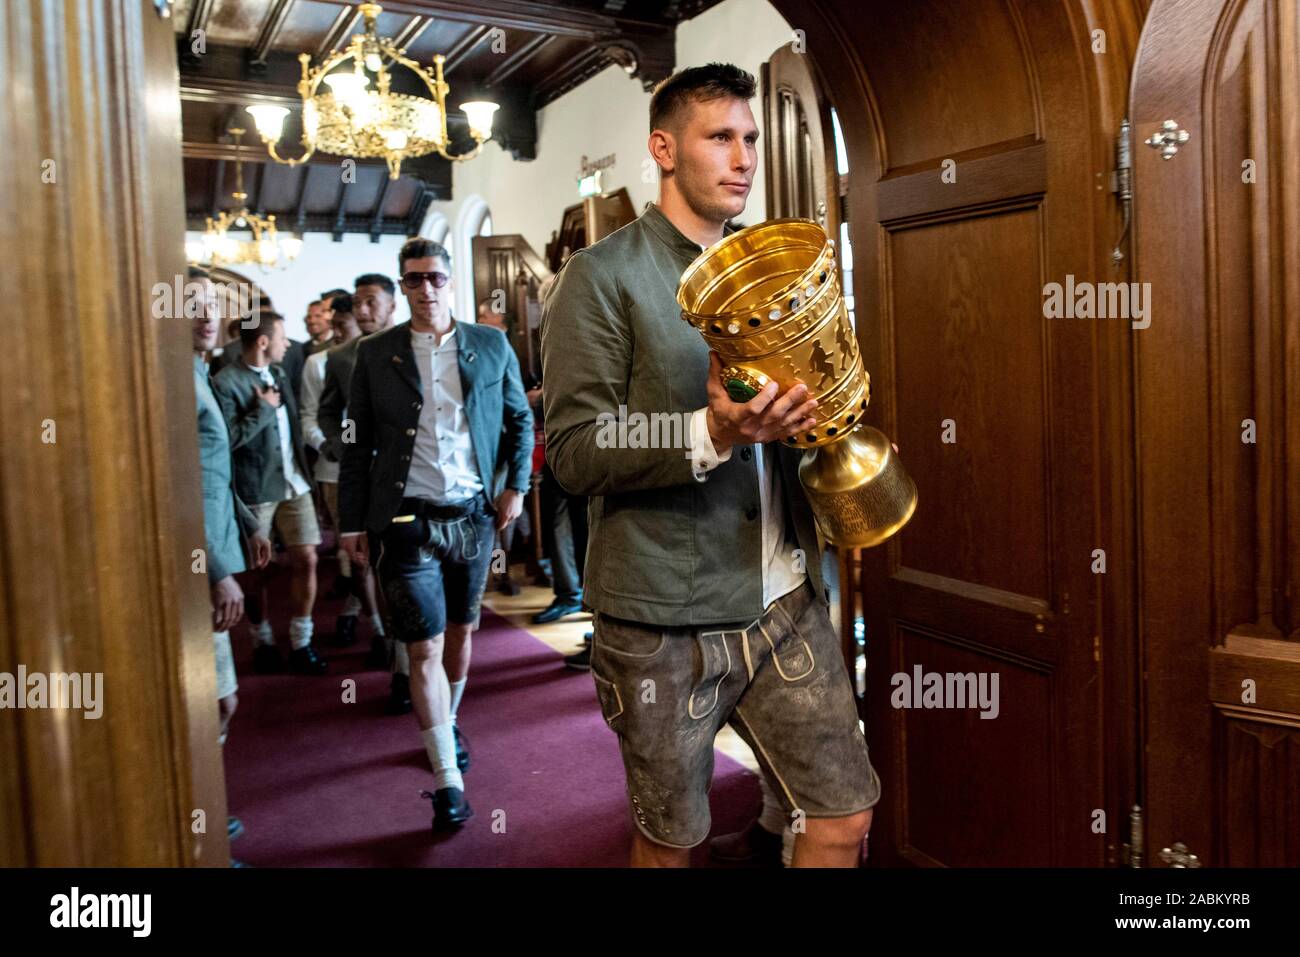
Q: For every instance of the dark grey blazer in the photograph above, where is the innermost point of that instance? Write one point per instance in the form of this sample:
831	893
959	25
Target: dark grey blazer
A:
254	438
384	401
339	363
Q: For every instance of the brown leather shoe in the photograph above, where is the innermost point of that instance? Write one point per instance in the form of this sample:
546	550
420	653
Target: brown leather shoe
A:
751	844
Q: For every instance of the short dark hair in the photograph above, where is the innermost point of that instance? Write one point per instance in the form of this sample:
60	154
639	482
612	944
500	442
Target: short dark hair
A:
341	303
375	279
694	84
329	294
250	329
422	249
314	302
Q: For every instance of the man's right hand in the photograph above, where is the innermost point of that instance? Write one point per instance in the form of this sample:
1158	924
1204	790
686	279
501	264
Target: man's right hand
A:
227	604
766	417
270	396
357	548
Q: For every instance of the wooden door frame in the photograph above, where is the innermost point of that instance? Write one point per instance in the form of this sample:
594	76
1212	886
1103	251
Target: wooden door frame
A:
98	528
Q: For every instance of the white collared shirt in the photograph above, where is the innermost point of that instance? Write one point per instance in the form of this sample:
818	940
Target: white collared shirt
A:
443	465
295	482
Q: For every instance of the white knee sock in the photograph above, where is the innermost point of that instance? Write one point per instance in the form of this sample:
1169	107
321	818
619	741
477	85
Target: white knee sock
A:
377	624
300	630
263	633
440	745
457	690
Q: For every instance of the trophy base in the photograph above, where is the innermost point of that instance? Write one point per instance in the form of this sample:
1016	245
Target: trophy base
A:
858	489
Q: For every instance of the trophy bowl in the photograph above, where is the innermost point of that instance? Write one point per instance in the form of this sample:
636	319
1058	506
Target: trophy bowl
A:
767	299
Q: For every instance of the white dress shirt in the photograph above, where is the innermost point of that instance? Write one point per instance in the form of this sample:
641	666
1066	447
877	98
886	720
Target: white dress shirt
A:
779	574
295	482
313	386
443	466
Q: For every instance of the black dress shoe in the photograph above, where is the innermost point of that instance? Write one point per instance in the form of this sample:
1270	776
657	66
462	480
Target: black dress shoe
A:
345	631
267	660
506	585
586	639
579	660
462	749
450	809
305	661
235	863
557	610
399	695
377	657
234	828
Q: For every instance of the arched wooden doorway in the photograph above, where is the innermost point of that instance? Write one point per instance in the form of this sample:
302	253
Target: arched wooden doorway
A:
1014	426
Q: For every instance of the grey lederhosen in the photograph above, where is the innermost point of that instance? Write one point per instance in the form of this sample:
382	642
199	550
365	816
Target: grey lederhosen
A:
780	682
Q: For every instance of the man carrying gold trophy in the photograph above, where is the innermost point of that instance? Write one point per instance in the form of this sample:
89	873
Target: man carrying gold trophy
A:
703	559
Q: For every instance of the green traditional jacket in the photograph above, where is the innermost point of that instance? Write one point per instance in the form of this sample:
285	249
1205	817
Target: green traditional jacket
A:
664	548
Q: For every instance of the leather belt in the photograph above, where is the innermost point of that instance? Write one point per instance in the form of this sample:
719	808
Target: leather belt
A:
413	508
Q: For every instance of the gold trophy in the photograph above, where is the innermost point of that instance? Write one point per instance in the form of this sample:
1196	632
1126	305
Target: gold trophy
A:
767	299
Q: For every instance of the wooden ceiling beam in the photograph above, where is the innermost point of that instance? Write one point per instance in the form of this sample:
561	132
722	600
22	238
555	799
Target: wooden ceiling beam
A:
463	47
339	31
518	59
271	28
527	15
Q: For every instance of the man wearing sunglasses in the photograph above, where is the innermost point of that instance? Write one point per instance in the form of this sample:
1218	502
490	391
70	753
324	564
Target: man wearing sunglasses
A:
431	401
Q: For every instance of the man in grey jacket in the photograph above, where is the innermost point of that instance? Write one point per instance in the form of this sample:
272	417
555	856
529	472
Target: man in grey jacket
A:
227	522
703	558
272	476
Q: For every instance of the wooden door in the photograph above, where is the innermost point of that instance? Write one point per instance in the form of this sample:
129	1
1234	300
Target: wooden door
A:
100	497
1217	235
980	142
799	149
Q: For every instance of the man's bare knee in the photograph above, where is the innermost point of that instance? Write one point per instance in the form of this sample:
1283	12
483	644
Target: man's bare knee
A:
846	831
425	650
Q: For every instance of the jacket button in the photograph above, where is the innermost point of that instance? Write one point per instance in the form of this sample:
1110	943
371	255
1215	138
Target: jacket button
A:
410	431
415	405
406	458
752	513
745	453
400	484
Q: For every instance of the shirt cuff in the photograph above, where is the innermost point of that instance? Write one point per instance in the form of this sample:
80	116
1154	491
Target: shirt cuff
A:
343	535
704	457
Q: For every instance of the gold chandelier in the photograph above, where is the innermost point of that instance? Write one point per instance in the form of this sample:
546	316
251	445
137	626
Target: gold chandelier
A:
265	248
355	119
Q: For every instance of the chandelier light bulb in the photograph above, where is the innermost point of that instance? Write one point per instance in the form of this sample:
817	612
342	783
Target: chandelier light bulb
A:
291	246
348	88
480	115
269	120
373	62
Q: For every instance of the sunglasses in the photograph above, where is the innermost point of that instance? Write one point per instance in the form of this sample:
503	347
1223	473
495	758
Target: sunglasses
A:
414	280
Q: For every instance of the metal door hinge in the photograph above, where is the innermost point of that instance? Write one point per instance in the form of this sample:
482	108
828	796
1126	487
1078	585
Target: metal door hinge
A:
1122	183
1179	856
1133	849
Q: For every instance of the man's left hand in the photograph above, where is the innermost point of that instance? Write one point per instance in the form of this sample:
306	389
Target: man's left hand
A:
510	505
261	546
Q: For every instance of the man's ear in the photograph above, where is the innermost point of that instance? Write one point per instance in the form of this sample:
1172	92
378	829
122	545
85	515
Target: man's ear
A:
662	150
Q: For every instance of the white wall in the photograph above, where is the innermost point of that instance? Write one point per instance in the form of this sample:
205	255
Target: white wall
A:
607	114
322	264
